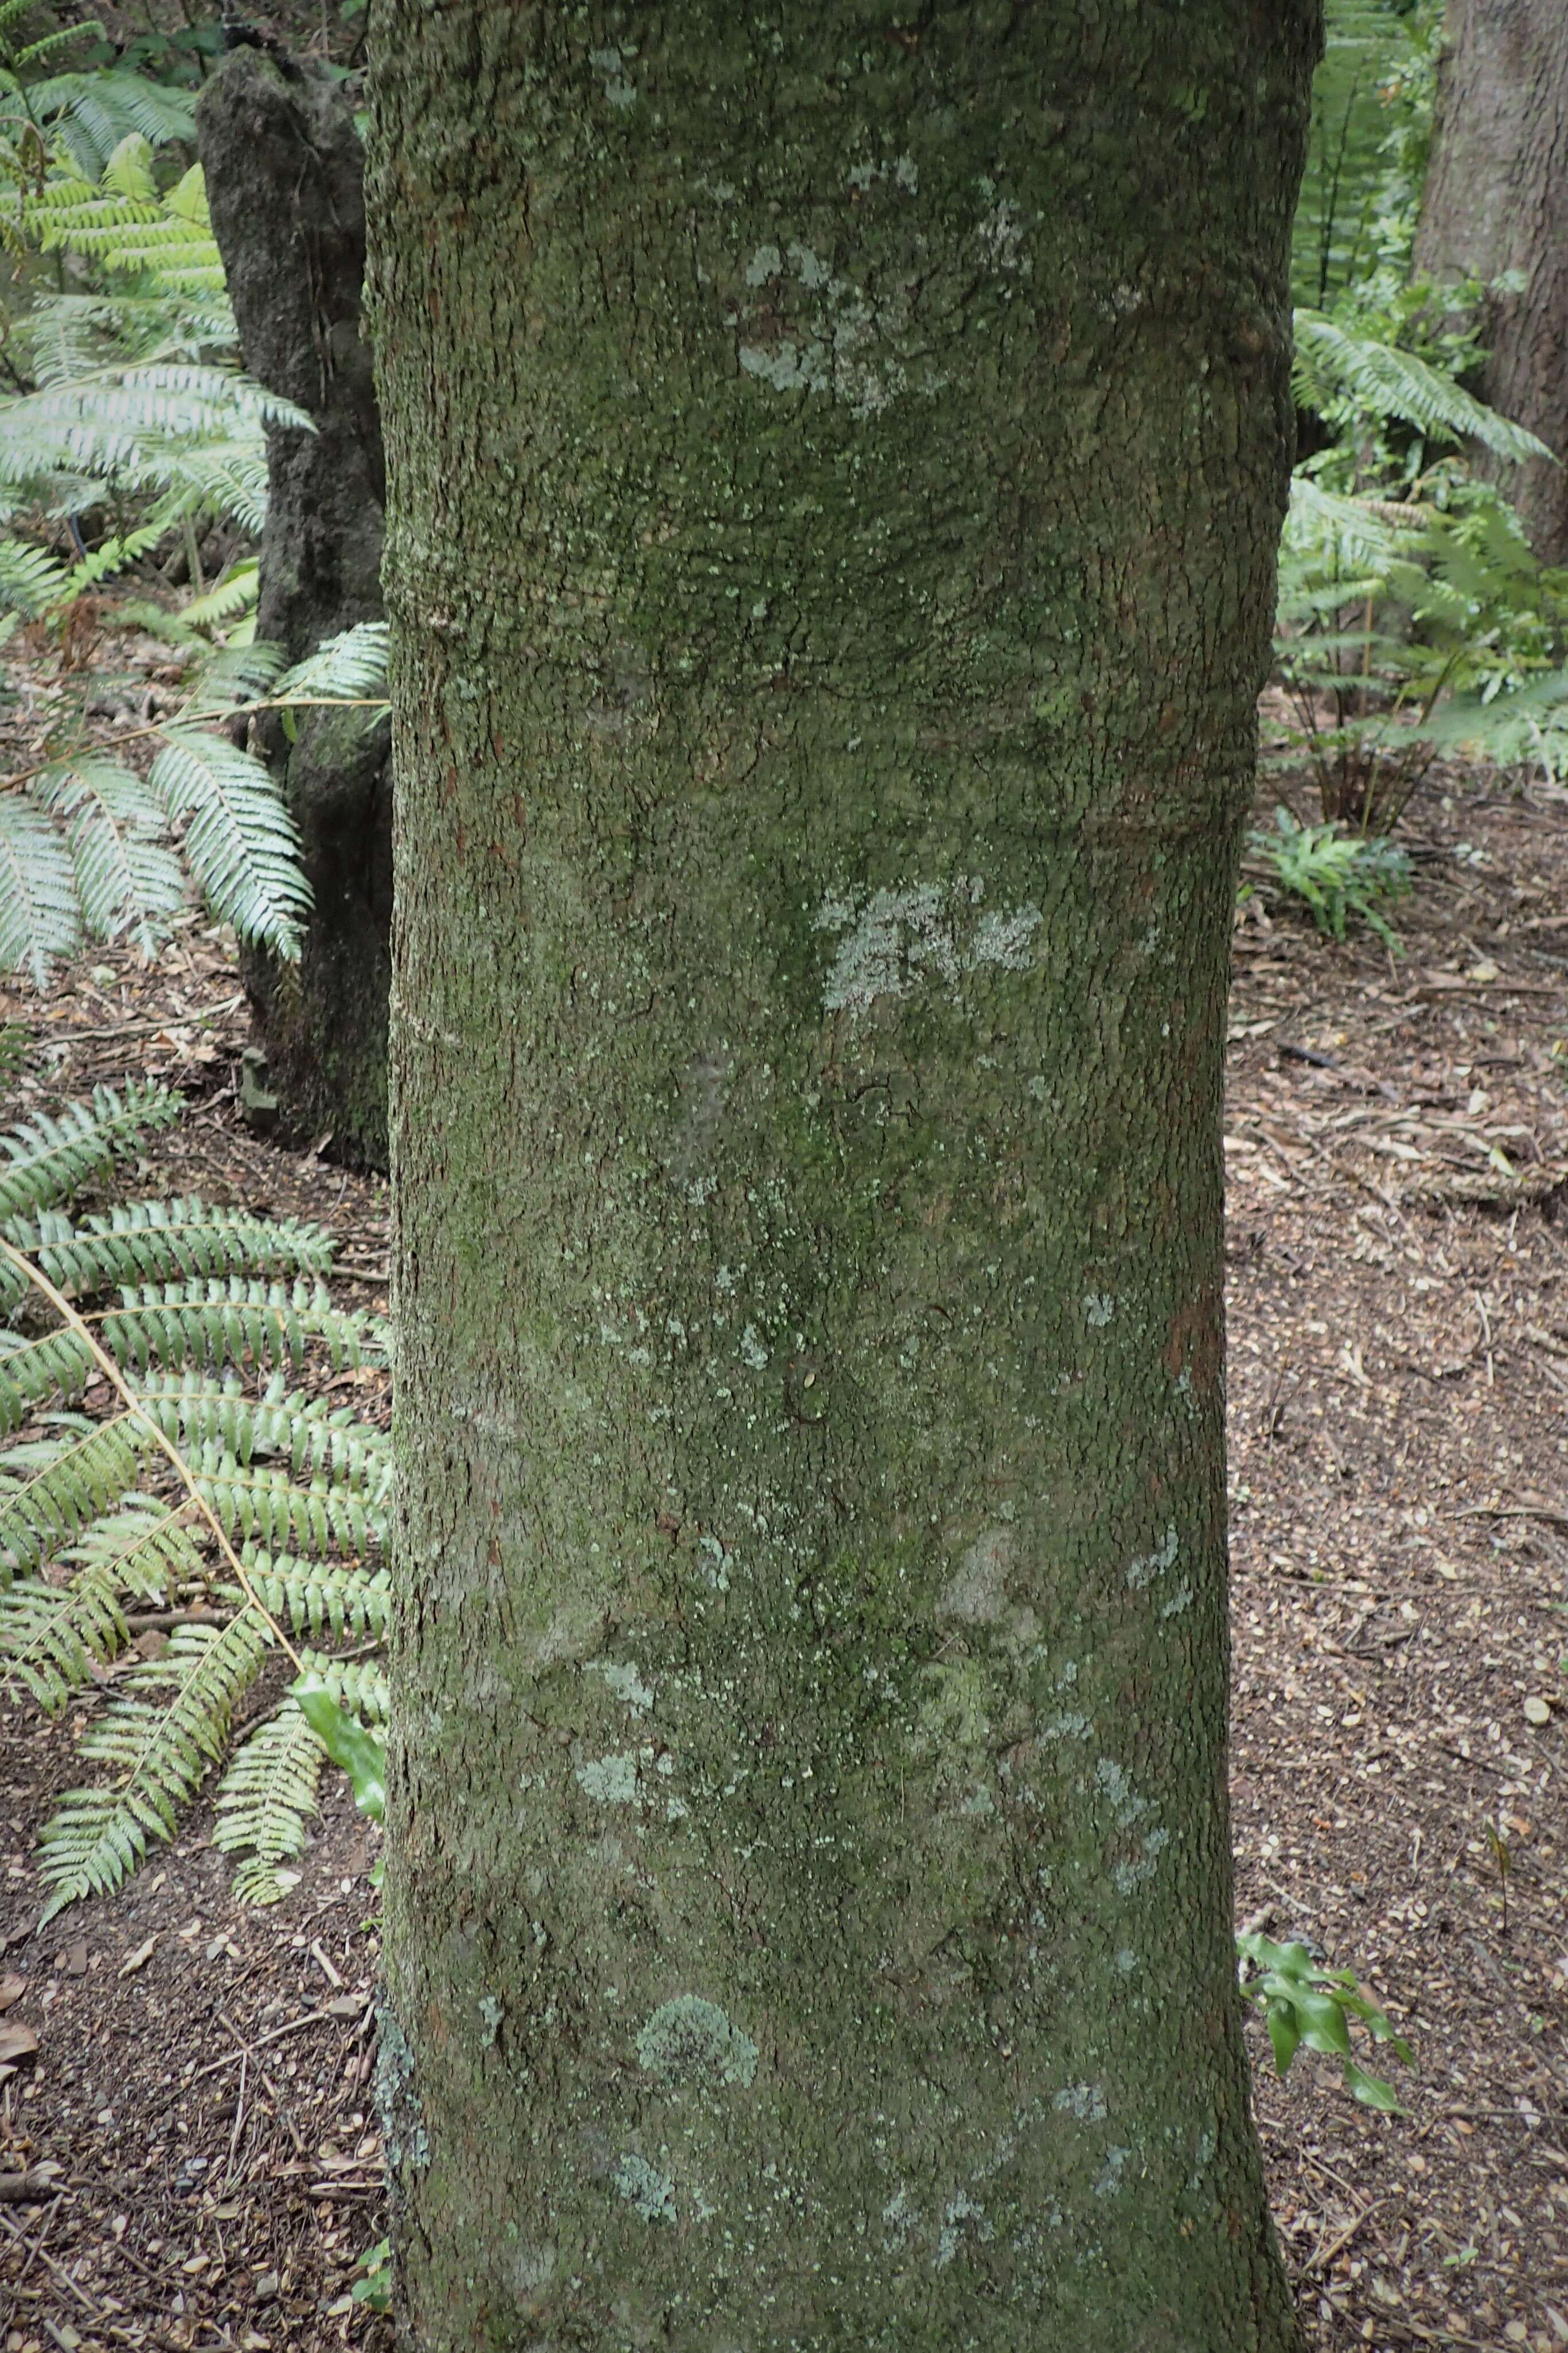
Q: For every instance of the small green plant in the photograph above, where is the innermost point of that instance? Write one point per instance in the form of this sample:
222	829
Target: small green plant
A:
1335	874
349	1741
374	2287
1303	2004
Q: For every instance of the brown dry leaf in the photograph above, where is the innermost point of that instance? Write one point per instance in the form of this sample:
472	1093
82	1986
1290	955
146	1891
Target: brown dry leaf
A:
16	2042
139	1958
12	1988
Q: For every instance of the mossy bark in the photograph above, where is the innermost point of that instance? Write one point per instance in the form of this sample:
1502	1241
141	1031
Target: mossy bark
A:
284	168
837	460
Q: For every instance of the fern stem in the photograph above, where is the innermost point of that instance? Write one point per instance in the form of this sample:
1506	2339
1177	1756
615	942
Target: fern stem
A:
113	1375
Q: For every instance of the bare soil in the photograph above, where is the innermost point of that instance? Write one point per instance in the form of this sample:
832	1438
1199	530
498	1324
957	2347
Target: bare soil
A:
199	2105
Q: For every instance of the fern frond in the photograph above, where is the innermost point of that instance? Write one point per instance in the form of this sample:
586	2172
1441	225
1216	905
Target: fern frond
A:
1369	532
48	1160
173	1324
235	593
318	1596
41	922
264	1801
241	841
31	579
259	1499
127	876
358	1685
351	664
316	1440
93	114
1392	383
148	1547
233	674
158	1755
161	1241
53	1637
51	1488
218	1323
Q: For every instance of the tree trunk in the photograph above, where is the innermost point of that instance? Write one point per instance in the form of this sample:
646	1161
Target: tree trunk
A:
836	466
283	164
1497	200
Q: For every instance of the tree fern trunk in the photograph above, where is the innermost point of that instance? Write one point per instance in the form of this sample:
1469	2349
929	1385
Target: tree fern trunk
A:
282	164
837	458
1496	201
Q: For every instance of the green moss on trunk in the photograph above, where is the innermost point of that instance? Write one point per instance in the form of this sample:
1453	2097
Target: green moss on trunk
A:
836	465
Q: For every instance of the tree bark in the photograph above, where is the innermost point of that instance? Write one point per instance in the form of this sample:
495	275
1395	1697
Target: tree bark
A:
1496	200
283	168
838	457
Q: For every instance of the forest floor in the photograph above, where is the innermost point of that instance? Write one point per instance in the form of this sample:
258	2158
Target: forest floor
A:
198	2105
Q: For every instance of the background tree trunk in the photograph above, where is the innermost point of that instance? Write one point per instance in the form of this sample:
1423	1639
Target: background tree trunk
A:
1497	199
836	461
283	168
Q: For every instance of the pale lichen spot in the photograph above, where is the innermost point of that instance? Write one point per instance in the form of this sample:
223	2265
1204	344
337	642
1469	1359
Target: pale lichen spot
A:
626	1682
897	2217
688	2041
765	263
977	1593
1181	1599
751	1350
1084	2101
1148	1566
897	938
644	2187
788	367
1001	236
1109	2180
810	268
613	1780
960	2210
611	64
1127	1877
1099	1307
1003	940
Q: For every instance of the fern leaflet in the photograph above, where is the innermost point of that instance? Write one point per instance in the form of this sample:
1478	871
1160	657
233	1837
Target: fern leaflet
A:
264	1801
49	1160
158	1755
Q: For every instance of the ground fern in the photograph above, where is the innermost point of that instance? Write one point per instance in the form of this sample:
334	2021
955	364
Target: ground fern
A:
219	1323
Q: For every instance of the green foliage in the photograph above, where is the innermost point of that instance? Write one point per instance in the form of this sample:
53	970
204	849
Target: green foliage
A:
1413	615
335	1711
158	1241
85	842
51	1158
134	390
1371	99
67	89
157	1750
1411	611
1351	378
199	1306
264	1801
1303	2004
361	1753
133	405
1335	874
373	2285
